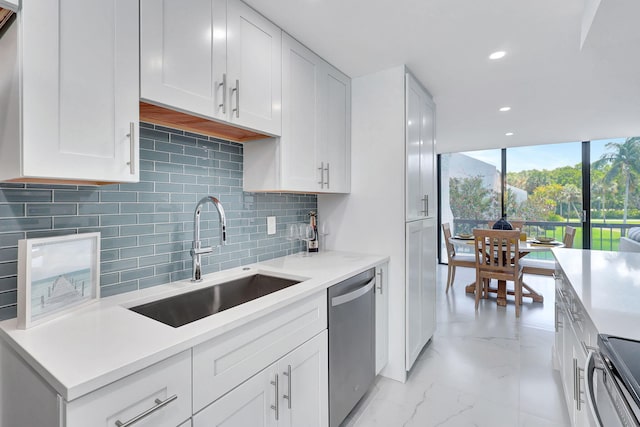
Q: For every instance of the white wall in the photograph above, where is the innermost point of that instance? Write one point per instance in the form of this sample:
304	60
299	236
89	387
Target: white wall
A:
371	219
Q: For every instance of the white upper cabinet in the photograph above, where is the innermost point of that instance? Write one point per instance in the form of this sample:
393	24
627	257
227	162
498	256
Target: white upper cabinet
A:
335	144
254	49
183	54
313	154
301	98
213	58
420	129
79	102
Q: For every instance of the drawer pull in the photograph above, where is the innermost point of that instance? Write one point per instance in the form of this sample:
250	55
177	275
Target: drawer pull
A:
276	406
159	405
287	374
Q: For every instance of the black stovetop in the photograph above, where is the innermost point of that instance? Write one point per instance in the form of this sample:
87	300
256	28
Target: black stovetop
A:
624	355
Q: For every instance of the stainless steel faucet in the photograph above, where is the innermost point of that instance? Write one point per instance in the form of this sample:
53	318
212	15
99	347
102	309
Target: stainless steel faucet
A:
196	250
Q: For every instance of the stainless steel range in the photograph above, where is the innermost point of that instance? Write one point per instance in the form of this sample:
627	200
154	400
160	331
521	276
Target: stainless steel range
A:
612	382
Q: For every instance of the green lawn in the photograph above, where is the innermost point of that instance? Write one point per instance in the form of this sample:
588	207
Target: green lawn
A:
603	239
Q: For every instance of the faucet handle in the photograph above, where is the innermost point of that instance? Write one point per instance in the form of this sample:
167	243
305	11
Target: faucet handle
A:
200	251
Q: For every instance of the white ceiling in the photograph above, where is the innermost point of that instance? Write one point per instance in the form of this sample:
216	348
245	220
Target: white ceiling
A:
558	92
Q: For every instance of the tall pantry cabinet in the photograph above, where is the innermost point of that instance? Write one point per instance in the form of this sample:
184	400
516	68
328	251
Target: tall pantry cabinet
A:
392	205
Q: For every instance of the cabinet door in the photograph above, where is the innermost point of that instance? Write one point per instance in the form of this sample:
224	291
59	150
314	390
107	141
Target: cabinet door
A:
80	89
304	385
335	142
382	317
427	155
301	75
183	55
420	287
413	304
581	417
254	52
253	403
415	205
568	368
420	151
428	279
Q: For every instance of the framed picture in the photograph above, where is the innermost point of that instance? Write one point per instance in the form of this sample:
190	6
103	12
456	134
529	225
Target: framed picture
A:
56	275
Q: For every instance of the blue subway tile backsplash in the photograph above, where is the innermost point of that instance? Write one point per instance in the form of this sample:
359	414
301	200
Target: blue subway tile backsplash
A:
147	227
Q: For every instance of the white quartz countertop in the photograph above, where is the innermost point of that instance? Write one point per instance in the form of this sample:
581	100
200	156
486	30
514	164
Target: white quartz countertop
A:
608	285
103	342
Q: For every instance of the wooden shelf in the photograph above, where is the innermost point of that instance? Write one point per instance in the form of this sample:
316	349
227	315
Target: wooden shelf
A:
175	119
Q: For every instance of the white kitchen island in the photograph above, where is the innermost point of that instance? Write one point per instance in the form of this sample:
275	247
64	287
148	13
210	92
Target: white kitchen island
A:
597	292
76	365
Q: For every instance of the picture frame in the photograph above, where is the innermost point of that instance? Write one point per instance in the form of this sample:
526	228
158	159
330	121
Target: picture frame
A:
56	275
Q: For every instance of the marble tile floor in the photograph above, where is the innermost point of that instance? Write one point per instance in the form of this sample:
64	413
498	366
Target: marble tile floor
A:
485	369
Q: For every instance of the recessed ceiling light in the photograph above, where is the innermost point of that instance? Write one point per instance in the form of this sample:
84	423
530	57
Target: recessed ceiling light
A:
497	55
503	109
509	133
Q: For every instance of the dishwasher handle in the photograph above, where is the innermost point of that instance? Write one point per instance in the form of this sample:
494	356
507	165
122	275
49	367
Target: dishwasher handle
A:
345	298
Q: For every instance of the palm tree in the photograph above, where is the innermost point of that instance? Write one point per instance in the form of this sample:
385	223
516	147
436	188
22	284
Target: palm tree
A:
602	188
625	163
570	193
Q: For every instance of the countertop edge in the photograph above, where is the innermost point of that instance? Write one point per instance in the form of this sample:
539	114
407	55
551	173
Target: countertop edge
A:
259	308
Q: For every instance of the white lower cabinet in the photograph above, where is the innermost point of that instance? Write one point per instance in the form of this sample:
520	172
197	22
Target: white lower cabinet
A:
159	396
291	392
574	334
421	288
382	317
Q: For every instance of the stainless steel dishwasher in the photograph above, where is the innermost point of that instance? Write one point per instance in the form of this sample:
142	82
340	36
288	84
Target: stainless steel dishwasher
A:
351	305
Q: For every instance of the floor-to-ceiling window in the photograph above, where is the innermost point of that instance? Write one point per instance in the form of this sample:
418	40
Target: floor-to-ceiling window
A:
544	185
470	187
615	190
544	188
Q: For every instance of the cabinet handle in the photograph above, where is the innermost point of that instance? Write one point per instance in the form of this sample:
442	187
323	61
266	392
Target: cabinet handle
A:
426	196
327	169
237	91
288	396
424	204
575	380
159	405
132	148
579	378
276	407
224	93
380	273
321	169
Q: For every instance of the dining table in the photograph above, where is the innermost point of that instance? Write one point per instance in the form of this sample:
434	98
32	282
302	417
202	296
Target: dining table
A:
524	248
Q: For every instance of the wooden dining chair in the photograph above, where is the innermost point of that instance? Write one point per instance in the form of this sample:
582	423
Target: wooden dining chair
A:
569	234
544	267
498	257
454	259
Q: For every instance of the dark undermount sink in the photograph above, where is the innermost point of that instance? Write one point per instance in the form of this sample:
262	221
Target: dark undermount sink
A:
191	306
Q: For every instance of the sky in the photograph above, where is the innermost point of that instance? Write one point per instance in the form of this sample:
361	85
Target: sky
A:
549	156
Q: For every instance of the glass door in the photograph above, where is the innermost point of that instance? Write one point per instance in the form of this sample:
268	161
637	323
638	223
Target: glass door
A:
470	186
615	194
544	188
